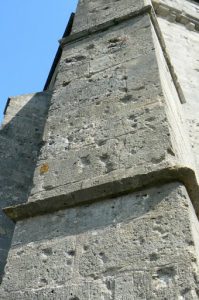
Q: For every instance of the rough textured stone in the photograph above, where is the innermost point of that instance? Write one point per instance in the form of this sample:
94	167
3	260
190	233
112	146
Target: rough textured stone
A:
137	246
113	117
92	13
116	158
20	141
186	7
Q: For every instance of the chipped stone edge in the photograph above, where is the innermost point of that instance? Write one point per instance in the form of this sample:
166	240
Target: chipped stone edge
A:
175	15
166	56
99	192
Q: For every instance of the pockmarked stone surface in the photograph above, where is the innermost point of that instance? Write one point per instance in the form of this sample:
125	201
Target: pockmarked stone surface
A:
20	141
107	115
141	245
115	125
93	13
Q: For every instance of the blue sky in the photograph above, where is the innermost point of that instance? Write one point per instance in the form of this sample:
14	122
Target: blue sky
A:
29	34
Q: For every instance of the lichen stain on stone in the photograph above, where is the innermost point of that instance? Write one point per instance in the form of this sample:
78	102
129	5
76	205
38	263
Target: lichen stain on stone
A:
44	169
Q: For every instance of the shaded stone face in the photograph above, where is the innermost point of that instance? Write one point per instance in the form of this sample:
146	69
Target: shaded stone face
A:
20	141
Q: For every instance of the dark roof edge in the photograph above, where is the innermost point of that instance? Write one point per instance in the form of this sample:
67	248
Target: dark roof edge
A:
59	52
6	106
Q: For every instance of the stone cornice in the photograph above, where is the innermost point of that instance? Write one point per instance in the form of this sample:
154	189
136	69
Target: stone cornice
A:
103	26
111	189
174	15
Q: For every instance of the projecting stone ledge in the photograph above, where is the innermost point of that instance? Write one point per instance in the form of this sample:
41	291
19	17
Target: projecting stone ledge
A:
94	13
120	185
104	25
139	246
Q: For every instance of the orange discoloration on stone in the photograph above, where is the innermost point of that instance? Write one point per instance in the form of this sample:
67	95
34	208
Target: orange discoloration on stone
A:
44	169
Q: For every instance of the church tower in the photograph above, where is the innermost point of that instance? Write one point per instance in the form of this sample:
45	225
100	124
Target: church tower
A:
102	185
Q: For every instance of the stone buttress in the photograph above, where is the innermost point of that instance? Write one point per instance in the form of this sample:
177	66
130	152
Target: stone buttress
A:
111	213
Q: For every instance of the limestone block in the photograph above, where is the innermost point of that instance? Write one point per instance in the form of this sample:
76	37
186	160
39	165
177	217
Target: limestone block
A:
120	117
103	50
92	13
112	120
185	7
132	140
140	245
187	73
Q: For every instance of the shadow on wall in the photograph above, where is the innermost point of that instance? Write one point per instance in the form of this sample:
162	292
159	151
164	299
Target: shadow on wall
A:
20	142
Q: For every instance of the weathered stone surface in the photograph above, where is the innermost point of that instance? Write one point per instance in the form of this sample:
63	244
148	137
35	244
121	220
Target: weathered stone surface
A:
186	7
103	50
111	119
138	245
20	141
93	13
188	74
115	125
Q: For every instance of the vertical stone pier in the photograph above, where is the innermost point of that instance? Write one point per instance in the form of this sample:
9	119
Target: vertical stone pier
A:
20	140
112	211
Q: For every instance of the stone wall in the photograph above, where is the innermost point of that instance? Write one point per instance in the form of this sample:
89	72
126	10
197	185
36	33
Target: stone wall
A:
138	246
110	213
184	47
20	141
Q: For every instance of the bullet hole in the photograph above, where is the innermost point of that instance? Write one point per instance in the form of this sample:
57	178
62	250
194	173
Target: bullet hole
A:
52	291
123	89
20	252
71	252
43	280
126	99
104	158
103	257
65	83
68	60
168	271
101	143
115	40
79	57
85	160
91	46
86	247
47	251
133	118
105	8
153	257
